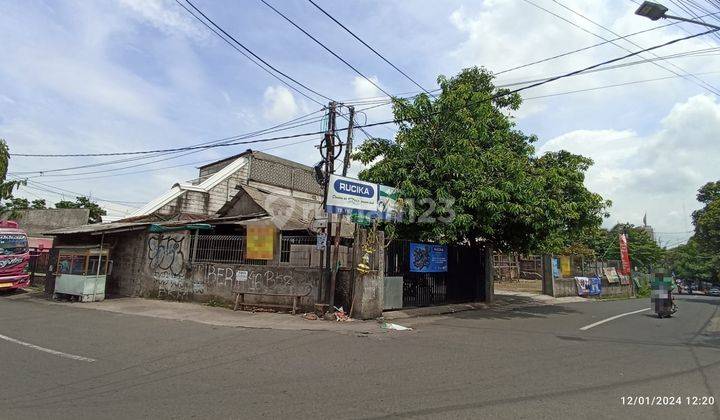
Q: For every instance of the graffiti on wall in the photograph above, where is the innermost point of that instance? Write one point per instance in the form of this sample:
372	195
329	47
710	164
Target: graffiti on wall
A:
165	254
261	280
166	261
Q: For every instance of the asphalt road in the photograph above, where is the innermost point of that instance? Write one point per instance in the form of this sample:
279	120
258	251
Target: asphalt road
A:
533	362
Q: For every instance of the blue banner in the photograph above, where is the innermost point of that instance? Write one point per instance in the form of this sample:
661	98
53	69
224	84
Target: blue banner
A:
428	258
595	286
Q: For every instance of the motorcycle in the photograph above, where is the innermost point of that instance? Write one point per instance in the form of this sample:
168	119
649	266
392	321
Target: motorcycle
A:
661	297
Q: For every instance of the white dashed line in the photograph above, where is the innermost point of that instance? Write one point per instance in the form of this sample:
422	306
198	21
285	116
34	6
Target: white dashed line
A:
46	350
587	327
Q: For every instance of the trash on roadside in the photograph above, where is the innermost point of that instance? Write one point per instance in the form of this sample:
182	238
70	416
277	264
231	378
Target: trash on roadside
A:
341	316
396	327
310	316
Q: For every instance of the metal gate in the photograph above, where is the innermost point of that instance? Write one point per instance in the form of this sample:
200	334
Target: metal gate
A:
463	282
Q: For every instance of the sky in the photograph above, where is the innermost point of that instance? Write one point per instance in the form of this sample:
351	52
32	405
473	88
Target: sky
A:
122	75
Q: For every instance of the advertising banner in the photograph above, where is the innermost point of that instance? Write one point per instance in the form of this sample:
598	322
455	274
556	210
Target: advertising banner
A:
260	242
363	199
624	255
389	203
595	286
348	196
611	275
428	258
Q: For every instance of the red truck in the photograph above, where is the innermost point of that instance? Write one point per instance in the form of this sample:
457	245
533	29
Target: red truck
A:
14	256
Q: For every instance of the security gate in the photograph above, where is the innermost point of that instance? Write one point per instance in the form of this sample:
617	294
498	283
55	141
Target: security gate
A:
464	280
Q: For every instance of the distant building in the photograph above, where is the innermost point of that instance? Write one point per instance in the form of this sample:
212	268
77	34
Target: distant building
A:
647	228
38	221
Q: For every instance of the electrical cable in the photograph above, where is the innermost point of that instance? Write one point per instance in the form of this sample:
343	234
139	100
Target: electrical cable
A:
370	48
325	47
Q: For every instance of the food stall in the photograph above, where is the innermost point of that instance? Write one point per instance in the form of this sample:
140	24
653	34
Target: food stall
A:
81	271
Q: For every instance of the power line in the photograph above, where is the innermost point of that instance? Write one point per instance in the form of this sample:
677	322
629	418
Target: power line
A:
634	82
500	94
370	48
707	86
249	51
325	47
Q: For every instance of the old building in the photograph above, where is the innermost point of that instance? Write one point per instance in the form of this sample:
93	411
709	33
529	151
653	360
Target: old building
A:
193	241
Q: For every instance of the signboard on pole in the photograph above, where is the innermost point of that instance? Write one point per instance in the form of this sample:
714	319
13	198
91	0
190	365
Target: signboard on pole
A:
428	258
348	196
624	255
363	199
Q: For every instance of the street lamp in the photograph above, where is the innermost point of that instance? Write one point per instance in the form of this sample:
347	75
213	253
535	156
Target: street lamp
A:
655	11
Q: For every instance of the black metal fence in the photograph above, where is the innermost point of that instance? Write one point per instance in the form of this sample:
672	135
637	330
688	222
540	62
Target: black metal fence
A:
464	280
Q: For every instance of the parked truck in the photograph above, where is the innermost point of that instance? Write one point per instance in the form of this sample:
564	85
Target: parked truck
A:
14	256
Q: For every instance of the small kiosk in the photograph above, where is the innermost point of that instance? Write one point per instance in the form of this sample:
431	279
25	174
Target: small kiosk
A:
81	271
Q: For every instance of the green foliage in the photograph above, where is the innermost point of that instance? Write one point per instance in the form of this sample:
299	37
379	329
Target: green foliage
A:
464	147
7	207
707	219
38	204
96	212
645	253
691	262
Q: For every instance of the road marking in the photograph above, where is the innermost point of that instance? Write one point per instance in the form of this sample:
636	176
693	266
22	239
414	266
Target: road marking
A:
46	350
587	327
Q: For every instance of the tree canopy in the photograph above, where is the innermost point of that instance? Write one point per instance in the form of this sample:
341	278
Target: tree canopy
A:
464	151
707	219
96	212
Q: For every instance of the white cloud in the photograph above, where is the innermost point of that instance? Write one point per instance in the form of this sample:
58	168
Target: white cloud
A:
166	16
279	103
658	174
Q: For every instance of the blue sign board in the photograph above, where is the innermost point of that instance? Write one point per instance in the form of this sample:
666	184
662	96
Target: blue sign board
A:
594	287
428	258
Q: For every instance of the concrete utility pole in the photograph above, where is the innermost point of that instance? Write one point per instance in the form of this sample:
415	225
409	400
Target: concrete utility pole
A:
329	169
338	228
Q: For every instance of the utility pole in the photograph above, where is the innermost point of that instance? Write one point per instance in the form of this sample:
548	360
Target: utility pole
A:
329	169
338	229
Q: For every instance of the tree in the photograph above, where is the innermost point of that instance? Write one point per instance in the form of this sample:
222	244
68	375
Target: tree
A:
463	151
707	219
96	212
690	262
645	253
6	187
38	204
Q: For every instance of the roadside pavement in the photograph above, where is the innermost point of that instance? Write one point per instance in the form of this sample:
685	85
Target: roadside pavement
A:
219	316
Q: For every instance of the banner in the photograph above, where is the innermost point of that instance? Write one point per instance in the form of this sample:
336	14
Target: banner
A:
611	275
389	203
260	243
624	255
582	284
595	286
428	258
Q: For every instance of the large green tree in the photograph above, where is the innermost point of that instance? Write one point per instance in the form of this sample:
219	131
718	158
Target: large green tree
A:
691	262
96	212
463	151
707	219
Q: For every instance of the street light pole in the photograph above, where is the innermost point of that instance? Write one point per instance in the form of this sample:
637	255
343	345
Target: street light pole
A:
655	11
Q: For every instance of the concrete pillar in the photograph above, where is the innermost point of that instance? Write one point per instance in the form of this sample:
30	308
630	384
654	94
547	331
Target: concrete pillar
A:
489	292
547	273
368	287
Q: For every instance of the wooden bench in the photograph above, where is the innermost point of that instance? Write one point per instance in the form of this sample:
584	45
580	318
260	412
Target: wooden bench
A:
240	300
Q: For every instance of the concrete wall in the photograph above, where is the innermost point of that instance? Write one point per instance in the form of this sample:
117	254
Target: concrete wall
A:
566	287
127	255
165	271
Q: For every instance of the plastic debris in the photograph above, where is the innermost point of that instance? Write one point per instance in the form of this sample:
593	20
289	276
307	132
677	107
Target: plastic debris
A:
310	316
341	316
396	327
